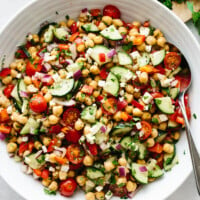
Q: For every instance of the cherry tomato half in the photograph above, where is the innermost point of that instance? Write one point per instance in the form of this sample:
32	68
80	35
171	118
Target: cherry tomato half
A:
75	154
111	11
172	60
110	106
146	128
33	67
7	91
5	72
95	12
68	187
70	116
93	148
72	135
38	103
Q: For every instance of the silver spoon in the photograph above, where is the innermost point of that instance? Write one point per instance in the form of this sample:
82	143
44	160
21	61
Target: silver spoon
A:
193	151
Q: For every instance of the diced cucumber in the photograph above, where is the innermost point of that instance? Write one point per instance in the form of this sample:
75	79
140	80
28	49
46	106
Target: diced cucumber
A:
174	72
30	126
125	142
89	186
25	106
97	51
33	162
112	84
61	88
45	27
88	114
122	129
61	33
173	124
141	177
90	27
94	173
74	67
122	73
143	60
77	85
124	58
157	57
173	92
161	136
168	157
48	35
21	88
170	166
111	33
17	100
101	137
142	150
156	172
165	105
151	164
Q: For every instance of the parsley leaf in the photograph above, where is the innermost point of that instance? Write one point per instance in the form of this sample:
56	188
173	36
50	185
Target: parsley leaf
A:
46	191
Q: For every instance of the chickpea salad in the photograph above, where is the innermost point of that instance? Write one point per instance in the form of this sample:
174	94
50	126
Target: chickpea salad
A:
91	104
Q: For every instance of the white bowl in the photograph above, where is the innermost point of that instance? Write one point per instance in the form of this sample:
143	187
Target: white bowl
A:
29	19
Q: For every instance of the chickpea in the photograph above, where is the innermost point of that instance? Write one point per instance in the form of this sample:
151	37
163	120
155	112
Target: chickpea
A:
109	165
16	126
91	36
13	65
88	101
48	97
22	119
168	148
129	88
63	24
71	174
122	161
98	39
62	73
143	77
133	32
6	80
151	40
100	195
85	72
79	125
62	175
109	65
146	116
21	65
162	126
80	97
141	47
161	41
102	26
166	47
53	119
55	175
88	160
94	70
46	123
151	180
57	110
122	30
27	80
81	180
90	196
150	142
137	95
46	182
13	73
37	145
46	141
176	135
117	116
96	93
131	186
70	22
36	38
104	120
128	97
89	43
136	23
52	158
33	52
121	180
117	22
94	84
142	162
53	186
107	20
129	109
88	80
157	33
137	112
98	113
11	147
154	133
80	48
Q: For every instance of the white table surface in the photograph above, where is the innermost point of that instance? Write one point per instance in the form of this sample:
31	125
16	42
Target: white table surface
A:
187	191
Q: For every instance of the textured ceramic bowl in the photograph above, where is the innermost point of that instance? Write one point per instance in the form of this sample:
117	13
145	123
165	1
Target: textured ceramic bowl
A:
29	19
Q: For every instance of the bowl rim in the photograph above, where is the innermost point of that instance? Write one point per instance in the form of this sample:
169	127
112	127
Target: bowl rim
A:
171	14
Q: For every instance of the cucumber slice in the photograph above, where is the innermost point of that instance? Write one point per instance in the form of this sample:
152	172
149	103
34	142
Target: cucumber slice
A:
45	27
176	71
74	67
111	33
122	129
157	57
88	114
173	92
17	100
168	157
112	84
161	136
122	73
125	142
97	50
141	177
61	33
173	124
165	105
101	137
30	126
170	166
33	162
61	88
21	88
25	106
90	27
143	60
77	85
142	151
124	58
94	173
156	172
48	35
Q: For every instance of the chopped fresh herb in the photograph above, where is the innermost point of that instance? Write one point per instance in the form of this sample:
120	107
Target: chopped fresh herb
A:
145	97
167	3
47	191
158	101
112	179
57	13
127	46
195	116
121	185
152	29
184	152
155	120
114	162
67	17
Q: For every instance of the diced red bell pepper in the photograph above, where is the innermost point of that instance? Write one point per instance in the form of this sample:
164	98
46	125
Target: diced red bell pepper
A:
45	174
157	148
5	72
180	120
87	89
93	148
55	129
126	117
63	46
160	69
95	12
73	36
4	115
146	24
121	104
30	146
23	147
5	129
60	160
99	98
137	105
102	57
157	95
74	28
20	54
51	145
139	39
103	73
38	172
8	90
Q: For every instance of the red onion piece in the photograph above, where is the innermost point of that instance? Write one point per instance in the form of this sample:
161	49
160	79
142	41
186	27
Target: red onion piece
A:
38	154
77	74
23	94
118	146
2	136
103	129
51	47
122	171
46	78
143	169
111	53
46	67
84	10
69	61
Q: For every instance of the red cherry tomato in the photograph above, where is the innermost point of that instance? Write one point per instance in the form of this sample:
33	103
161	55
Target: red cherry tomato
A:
51	145
33	67
68	187
121	104
74	28
72	135
5	129
156	95
146	24
75	167
93	148
138	105
5	72
23	147
111	11
87	89
172	60
95	12
161	69
7	91
75	154
103	73
38	103
45	174
70	116
20	54
139	39
157	148
146	129
183	81
30	146
109	107
55	129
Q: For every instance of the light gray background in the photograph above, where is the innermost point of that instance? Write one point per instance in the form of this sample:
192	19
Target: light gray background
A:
188	191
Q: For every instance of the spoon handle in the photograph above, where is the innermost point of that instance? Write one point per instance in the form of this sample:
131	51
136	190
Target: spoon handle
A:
193	151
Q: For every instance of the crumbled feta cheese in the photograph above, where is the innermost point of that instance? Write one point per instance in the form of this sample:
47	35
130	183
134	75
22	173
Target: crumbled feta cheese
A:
104	145
121	93
108	195
89	51
146	107
136	89
165	82
138	125
9	109
90	138
133	133
61	135
32	89
99	188
122	84
144	31
25	139
82	139
52	169
174	83
138	73
19	75
148	48
82	106
160	76
70	61
64	168
24	168
127	76
163	118
147	98
135	55
70	74
101	83
47	157
141	133
48	57
56	77
121	98
44	149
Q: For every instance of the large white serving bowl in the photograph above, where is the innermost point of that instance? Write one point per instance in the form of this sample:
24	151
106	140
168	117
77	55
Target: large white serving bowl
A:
29	19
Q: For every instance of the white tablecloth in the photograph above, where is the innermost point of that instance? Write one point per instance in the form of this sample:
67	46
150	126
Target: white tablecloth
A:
187	191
